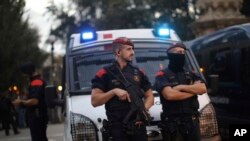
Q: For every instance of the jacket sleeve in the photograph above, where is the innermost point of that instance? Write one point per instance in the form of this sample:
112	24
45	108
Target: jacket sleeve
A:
161	81
100	80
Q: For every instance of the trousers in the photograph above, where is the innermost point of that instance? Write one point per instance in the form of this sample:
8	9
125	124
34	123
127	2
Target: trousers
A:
38	127
181	129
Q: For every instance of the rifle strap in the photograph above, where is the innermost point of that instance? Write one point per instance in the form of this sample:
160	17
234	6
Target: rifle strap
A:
125	82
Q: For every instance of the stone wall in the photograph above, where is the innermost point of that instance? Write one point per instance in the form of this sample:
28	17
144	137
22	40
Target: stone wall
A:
217	14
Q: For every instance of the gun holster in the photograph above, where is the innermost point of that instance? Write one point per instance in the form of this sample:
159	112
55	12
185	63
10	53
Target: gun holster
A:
105	130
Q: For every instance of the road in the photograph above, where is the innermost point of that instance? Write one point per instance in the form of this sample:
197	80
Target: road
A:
54	133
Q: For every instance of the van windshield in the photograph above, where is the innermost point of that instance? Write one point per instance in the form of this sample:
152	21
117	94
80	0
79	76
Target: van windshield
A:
148	59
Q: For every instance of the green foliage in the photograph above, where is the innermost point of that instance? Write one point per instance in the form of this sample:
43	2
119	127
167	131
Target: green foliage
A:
18	43
120	14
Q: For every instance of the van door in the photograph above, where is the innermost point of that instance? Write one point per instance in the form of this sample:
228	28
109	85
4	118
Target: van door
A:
232	99
242	56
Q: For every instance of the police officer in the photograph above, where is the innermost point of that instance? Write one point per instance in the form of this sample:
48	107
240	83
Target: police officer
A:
35	104
8	114
178	89
108	90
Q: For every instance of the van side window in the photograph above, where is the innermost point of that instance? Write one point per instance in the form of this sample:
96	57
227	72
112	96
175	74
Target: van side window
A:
225	58
221	65
214	40
238	35
224	37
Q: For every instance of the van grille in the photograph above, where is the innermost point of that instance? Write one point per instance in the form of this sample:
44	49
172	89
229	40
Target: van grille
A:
82	128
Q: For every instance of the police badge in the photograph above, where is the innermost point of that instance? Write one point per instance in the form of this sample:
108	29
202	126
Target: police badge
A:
136	78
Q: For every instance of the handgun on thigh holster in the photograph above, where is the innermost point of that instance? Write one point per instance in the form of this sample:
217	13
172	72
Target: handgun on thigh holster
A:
105	130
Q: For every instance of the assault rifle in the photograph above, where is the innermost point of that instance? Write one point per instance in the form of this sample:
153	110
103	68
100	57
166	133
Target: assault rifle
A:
137	108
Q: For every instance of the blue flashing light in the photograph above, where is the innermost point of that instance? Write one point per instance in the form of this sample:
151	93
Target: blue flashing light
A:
88	35
163	32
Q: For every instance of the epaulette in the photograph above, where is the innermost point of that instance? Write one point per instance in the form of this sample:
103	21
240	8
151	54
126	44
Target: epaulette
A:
36	82
160	73
101	72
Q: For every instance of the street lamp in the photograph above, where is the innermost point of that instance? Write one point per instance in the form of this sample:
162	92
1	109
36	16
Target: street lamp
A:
51	40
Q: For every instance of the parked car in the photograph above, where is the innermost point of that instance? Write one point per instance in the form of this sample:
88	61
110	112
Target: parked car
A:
224	57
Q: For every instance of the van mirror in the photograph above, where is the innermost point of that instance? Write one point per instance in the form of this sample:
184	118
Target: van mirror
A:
50	95
213	83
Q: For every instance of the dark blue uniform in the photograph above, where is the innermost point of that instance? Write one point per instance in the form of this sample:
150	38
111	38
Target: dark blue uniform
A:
116	109
179	118
7	118
37	115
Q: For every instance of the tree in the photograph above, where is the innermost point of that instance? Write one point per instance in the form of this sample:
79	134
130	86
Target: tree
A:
177	13
18	43
120	14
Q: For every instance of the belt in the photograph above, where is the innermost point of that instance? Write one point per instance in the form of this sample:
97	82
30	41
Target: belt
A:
180	117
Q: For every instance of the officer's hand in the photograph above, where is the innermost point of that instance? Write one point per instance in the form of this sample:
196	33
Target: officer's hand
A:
122	94
138	123
16	102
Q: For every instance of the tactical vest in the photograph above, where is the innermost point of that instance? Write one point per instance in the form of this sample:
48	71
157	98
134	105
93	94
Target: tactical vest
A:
116	109
185	107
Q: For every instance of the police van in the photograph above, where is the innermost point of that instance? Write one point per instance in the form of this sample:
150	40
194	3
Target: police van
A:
225	55
89	51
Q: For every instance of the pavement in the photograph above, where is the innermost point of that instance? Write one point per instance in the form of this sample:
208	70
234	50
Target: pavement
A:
55	132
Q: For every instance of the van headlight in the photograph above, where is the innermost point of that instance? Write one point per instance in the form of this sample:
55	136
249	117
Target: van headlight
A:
82	128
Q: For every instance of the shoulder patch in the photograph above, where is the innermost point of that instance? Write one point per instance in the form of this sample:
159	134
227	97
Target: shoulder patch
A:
36	82
160	73
101	72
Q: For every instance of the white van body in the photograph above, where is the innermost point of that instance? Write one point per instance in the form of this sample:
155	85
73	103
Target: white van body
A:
83	121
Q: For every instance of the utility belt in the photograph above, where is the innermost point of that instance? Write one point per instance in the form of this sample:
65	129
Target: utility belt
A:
130	128
165	117
180	118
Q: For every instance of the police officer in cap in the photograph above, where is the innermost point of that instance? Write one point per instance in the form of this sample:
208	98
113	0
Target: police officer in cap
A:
108	90
35	103
178	89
